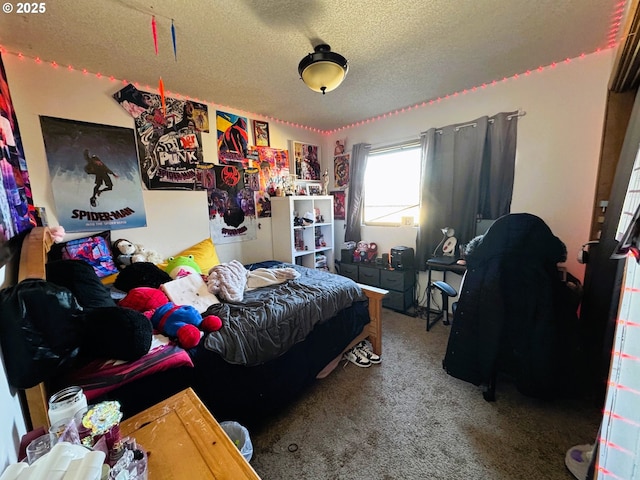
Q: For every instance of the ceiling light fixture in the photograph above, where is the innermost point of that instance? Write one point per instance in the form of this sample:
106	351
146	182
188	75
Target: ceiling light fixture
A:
323	70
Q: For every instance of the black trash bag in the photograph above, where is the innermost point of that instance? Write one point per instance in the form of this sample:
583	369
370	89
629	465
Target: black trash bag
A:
40	331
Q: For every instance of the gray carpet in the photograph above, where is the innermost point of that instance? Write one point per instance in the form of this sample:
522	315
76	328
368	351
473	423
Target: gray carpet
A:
407	419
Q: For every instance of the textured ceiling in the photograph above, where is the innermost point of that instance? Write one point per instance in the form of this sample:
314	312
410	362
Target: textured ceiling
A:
244	54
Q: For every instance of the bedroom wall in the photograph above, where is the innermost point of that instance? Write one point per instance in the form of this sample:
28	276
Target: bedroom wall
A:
558	146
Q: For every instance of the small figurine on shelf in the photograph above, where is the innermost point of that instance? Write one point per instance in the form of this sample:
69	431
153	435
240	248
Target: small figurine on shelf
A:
325	182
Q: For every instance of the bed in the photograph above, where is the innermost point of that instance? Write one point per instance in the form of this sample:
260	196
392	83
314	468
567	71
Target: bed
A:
246	371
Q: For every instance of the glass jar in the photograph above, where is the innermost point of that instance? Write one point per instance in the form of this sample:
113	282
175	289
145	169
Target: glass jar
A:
66	403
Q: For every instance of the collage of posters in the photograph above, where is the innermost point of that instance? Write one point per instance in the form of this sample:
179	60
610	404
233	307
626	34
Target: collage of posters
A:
98	172
169	137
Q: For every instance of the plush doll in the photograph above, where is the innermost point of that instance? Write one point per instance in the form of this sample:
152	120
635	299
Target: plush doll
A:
57	233
127	253
150	256
182	322
182	266
361	251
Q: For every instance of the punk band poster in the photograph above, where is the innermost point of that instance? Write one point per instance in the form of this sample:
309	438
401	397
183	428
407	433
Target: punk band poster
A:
169	137
95	176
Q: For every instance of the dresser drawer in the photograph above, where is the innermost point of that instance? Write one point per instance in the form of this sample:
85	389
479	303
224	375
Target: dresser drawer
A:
369	275
349	270
401	301
397	279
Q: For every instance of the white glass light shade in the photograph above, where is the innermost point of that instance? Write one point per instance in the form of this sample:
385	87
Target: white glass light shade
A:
323	70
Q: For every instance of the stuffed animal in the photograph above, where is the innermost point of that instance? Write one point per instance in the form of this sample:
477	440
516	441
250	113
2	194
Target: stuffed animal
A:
127	253
150	256
361	251
182	266
182	322
57	233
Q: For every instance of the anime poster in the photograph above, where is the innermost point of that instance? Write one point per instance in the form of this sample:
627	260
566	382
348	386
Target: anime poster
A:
307	161
274	168
232	210
169	139
233	138
263	204
339	199
341	170
17	212
95	176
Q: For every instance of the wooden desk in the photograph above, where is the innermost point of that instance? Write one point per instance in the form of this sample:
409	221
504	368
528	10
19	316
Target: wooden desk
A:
185	441
439	267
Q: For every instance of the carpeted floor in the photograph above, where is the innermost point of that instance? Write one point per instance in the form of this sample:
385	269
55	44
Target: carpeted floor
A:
407	419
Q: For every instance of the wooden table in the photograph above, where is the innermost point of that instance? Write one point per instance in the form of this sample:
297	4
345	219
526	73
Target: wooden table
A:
185	441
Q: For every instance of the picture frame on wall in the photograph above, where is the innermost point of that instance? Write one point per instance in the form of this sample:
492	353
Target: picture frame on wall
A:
306	160
261	133
314	189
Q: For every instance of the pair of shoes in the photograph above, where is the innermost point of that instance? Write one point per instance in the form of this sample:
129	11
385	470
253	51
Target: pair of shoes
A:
366	350
578	459
356	357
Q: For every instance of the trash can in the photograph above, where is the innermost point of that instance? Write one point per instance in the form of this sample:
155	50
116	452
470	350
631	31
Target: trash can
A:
239	435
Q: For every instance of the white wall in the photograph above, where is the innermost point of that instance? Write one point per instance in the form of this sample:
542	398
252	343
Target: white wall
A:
556	163
558	146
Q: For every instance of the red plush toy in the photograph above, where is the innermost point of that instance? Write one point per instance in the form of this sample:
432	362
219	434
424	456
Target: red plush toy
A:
183	322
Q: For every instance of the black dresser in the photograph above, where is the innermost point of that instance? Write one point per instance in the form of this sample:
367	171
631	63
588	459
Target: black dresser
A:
400	283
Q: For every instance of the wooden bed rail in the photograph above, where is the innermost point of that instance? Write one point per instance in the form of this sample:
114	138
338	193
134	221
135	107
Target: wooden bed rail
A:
33	260
375	296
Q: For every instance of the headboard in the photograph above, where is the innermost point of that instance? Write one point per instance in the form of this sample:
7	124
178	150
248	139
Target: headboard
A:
32	264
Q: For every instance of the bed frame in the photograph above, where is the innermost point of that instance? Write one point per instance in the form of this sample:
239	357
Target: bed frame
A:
32	264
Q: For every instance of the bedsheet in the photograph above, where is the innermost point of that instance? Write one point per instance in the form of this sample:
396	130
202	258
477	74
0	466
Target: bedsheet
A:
270	320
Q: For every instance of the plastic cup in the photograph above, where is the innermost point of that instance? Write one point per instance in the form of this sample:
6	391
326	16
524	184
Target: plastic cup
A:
40	446
66	430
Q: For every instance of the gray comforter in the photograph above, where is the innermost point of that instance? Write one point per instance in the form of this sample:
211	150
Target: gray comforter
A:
270	320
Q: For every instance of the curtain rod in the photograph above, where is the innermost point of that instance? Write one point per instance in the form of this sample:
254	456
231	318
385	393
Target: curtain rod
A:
519	113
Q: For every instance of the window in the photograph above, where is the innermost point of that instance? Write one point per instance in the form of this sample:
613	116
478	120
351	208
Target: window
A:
392	185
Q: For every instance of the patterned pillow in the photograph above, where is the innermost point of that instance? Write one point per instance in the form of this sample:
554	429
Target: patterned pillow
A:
95	250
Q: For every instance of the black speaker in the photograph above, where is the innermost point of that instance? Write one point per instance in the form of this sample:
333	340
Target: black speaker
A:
402	258
385	260
346	255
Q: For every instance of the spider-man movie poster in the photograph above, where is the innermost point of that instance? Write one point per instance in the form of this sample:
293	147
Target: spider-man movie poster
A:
95	177
233	138
232	210
169	137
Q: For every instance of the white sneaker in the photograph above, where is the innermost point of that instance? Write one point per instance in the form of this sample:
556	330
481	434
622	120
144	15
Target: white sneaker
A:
364	348
578	459
356	357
